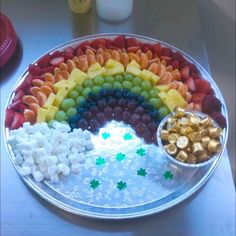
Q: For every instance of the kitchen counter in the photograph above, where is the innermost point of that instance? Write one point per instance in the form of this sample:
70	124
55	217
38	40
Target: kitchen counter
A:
42	26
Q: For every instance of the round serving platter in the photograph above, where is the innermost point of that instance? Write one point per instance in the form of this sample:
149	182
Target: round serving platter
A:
123	177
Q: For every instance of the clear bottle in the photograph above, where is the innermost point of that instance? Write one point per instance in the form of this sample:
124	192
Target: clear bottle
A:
79	6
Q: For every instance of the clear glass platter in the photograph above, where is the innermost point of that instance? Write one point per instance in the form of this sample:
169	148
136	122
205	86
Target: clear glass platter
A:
123	177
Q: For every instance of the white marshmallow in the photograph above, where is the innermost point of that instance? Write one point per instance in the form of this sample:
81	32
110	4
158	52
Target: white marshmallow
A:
25	170
38	176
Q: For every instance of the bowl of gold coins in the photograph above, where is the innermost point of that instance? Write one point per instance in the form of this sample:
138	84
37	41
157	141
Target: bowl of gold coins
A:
190	138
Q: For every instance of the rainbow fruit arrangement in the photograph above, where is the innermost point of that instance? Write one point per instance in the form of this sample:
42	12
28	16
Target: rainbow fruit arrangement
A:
121	78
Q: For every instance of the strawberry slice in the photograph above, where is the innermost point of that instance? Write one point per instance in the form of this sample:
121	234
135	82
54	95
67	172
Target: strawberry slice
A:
9	117
17	121
119	42
178	57
96	43
196	76
44	61
56	54
146	47
23	86
56	61
67	56
166	52
131	42
193	68
219	119
108	43
175	64
69	50
185	72
211	92
133	49
190	83
35	70
18	96
198	97
49	69
202	86
82	46
157	49
211	104
79	52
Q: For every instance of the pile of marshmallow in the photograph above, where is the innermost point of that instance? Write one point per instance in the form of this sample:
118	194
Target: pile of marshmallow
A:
49	153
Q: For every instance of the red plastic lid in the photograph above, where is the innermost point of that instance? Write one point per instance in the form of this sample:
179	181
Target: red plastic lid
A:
8	40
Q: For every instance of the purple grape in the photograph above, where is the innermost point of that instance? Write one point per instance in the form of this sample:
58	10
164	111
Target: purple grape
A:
139	110
94	110
126	116
131	105
122	102
94	125
147	137
135	118
101	104
146	118
140	128
88	115
101	117
112	102
117	113
152	127
83	124
108	111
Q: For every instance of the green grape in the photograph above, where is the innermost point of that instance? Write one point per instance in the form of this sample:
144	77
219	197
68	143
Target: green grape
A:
163	111
127	85
71	112
88	83
118	78
73	94
79	100
156	102
60	116
117	85
86	91
50	123
136	89
153	93
146	85
99	80
79	89
145	95
137	81
107	86
96	89
109	79
128	77
67	103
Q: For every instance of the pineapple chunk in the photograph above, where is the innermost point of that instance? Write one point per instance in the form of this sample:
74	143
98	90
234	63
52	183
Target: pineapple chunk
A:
41	116
61	94
64	84
172	99
50	100
60	85
114	67
78	76
162	88
133	68
148	75
95	70
51	112
178	99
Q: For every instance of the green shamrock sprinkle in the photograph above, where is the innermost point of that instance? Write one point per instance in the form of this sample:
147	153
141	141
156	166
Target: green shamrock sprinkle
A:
142	172
127	136
94	183
120	156
121	185
100	161
168	175
105	135
141	152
